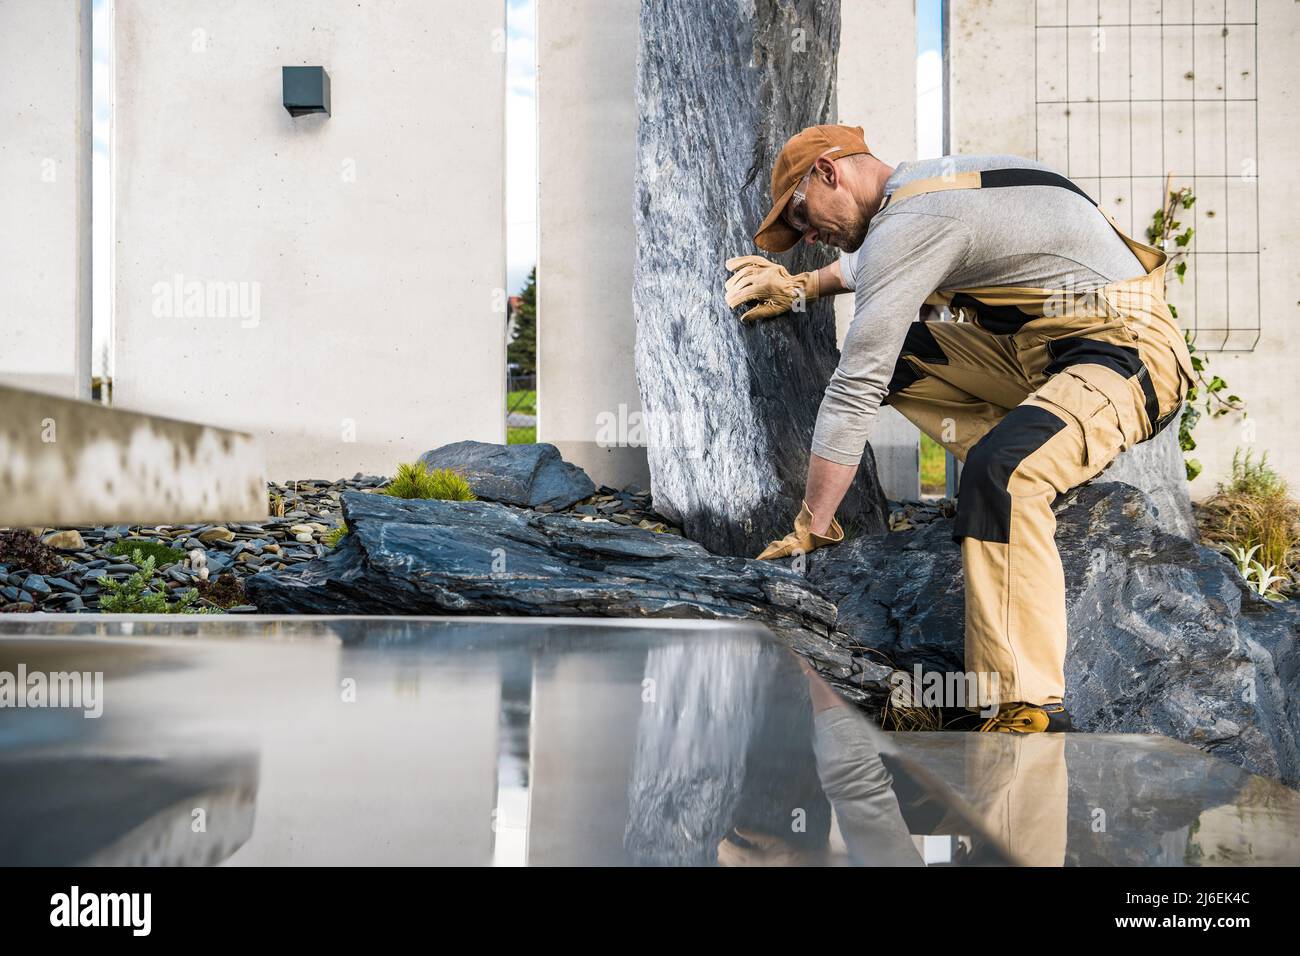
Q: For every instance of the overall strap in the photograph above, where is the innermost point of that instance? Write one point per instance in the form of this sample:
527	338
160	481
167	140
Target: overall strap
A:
1150	257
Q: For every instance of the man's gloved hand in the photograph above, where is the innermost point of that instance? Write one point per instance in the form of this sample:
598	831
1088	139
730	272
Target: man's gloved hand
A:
756	278
801	538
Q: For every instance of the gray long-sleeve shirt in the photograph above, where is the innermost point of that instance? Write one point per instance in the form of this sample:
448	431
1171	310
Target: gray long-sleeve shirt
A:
1042	236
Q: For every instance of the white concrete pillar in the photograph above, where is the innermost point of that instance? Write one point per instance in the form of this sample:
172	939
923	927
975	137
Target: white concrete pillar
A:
334	284
588	401
877	91
45	189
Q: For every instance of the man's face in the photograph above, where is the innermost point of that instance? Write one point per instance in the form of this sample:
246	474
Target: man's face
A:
823	209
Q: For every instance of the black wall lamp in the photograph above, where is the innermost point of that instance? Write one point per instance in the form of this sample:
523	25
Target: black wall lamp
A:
306	90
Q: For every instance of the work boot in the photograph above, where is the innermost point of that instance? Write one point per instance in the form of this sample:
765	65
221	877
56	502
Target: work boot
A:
1021	718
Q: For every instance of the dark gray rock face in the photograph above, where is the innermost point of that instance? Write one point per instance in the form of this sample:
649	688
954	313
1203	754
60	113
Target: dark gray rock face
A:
1156	467
729	408
1164	635
477	557
530	476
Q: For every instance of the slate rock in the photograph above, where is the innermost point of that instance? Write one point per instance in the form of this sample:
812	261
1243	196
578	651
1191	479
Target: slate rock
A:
35	583
530	476
1157	467
480	557
1164	635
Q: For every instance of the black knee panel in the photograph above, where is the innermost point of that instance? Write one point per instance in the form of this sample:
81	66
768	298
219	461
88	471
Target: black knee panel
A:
983	501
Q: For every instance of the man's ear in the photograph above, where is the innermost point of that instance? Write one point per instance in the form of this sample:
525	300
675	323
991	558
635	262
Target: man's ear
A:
827	169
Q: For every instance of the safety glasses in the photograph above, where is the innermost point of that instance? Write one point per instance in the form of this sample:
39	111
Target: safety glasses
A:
796	210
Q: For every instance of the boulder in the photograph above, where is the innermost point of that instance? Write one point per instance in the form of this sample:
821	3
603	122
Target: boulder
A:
1157	467
480	557
530	476
729	407
1164	635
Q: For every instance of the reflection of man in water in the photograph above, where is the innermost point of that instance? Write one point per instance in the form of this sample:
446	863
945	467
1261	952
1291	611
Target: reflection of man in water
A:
1018	787
858	786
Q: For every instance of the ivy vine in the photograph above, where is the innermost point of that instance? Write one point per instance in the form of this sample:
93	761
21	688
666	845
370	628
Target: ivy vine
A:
1206	395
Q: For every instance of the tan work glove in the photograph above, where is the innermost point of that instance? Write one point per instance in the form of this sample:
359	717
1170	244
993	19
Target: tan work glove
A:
770	283
802	539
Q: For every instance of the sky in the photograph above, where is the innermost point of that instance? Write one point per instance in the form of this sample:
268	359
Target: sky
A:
521	139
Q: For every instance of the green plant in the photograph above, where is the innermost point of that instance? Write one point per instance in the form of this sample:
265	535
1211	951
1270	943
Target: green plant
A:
1253	477
414	480
1257	577
1204	395
333	537
134	595
1253	513
161	554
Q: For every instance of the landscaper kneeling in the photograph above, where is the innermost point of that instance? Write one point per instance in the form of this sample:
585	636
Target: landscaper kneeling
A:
1065	355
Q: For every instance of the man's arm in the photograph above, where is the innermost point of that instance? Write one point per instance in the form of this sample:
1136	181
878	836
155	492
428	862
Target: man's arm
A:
905	258
830	281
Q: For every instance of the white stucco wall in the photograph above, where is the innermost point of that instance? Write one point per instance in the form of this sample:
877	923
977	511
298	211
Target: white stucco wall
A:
45	186
366	249
587	122
1119	94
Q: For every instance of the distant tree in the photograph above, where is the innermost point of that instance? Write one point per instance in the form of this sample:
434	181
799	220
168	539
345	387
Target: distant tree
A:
521	351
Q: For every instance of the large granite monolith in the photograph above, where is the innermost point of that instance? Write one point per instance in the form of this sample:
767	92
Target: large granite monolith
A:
729	407
1157	467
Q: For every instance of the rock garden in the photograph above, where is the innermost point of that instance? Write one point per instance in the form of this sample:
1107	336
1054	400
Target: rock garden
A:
1167	634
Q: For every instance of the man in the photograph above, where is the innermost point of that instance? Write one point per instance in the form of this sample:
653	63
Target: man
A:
1065	355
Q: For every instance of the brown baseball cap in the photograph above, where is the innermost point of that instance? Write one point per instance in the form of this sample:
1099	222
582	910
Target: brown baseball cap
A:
796	158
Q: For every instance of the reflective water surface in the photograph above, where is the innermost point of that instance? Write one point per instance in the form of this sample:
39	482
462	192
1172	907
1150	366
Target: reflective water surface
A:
249	740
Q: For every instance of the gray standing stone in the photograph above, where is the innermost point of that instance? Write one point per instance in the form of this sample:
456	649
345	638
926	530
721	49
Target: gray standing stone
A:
729	408
531	476
1157	467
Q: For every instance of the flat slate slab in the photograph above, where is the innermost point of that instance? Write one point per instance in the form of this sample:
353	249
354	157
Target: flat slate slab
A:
479	557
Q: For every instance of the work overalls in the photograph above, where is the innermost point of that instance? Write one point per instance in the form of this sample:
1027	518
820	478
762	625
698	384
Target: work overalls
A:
1036	391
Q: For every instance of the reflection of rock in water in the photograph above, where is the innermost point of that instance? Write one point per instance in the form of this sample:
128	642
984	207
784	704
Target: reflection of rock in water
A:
143	810
725	741
1154	794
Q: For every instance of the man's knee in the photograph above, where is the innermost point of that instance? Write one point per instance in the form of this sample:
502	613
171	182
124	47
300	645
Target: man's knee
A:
983	495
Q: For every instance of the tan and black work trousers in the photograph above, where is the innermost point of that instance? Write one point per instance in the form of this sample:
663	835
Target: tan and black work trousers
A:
1032	413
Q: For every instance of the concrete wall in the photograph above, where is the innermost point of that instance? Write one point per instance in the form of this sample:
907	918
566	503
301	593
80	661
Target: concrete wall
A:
45	188
363	252
877	91
1118	95
587	122
72	463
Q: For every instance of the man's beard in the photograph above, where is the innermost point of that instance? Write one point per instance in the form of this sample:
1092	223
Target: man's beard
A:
851	240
